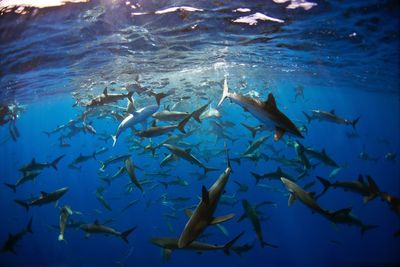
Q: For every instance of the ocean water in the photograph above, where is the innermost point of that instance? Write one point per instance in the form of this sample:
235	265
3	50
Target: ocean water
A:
341	57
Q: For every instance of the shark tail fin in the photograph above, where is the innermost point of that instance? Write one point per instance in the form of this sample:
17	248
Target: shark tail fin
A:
365	228
22	203
159	96
209	169
11	186
265	244
181	125
308	117
325	183
354	122
256	176
251	129
225	93
129	96
55	162
228	245
47	133
124	235
114	138
29	226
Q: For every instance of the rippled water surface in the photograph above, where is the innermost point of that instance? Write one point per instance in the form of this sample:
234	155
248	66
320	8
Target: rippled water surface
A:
338	57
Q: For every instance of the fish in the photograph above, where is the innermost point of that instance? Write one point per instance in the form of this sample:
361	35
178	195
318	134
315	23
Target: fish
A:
106	98
254	129
12	240
186	155
44	198
27	176
321	156
111	160
202	216
243	248
160	130
82	158
210	113
266	112
97	228
65	212
242	187
168	159
168	115
137	116
330	116
130	169
344	216
251	214
271	175
358	186
37	166
101	199
307	198
253	146
168	244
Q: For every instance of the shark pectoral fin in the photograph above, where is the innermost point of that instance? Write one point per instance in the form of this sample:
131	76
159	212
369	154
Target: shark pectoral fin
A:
291	199
222	219
279	132
166	254
188	212
204	195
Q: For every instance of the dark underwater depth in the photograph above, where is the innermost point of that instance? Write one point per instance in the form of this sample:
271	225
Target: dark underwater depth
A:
199	133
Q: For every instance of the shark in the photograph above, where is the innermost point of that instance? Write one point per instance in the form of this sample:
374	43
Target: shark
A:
138	116
106	98
97	228
202	216
330	116
168	244
13	239
266	112
44	198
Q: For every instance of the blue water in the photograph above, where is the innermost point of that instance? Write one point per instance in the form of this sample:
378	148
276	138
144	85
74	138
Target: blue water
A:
53	60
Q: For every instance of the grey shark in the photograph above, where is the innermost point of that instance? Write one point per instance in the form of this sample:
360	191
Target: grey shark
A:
13	239
160	130
358	186
97	228
168	244
267	112
137	116
106	98
65	212
130	169
202	216
330	116
251	214
186	155
37	166
44	198
308	199
253	146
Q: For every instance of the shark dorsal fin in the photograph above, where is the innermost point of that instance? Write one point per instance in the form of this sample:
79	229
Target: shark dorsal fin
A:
96	222
105	91
188	150
332	111
204	195
279	170
360	178
33	161
43	194
271	100
323	152
154	123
